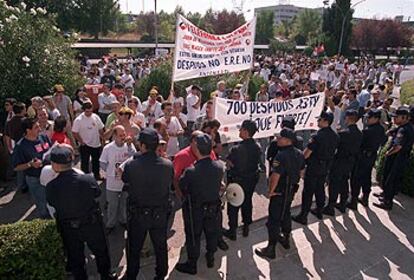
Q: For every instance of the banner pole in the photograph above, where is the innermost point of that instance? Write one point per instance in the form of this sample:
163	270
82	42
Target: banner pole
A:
171	96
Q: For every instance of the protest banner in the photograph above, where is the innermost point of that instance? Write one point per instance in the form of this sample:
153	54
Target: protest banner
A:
200	54
267	115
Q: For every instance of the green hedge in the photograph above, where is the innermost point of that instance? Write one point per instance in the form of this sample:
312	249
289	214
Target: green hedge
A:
31	250
407	92
408	179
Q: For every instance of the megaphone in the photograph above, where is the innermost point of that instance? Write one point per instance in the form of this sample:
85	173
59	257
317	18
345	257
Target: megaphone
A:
233	194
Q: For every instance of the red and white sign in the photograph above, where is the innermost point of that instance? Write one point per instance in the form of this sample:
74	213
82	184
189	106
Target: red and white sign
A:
200	54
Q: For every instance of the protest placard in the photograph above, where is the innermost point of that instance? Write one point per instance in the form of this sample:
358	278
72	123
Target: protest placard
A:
200	54
267	115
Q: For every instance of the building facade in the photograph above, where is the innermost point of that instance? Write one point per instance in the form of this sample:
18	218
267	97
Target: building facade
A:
284	12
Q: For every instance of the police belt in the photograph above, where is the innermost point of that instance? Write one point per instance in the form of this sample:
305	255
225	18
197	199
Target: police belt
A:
134	210
92	217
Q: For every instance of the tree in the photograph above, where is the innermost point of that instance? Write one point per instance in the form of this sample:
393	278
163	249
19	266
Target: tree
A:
94	16
284	29
372	35
306	26
336	16
34	53
264	27
277	46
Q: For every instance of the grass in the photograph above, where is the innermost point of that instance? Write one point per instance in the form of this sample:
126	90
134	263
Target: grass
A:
407	92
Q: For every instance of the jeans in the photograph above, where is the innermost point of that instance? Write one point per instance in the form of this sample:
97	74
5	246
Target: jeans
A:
38	193
116	207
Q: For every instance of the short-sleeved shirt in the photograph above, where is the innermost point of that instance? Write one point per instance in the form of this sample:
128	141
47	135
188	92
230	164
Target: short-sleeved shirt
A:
105	99
114	156
154	113
192	113
27	150
184	159
173	127
88	129
63	104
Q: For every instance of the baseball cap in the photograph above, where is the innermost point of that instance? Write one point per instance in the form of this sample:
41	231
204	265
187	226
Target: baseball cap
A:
328	116
148	136
61	154
401	111
288	133
373	113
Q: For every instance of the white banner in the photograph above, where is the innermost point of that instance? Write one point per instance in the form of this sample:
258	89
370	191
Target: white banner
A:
267	115
200	54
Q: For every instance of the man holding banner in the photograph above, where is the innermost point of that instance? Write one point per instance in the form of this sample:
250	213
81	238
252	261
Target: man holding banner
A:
243	162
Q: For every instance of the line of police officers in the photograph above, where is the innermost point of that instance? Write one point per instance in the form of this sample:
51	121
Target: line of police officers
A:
329	157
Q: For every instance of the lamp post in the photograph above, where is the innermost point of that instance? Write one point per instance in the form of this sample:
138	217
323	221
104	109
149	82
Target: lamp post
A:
156	26
345	16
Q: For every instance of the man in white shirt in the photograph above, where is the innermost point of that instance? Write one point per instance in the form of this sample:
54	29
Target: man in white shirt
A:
193	105
151	108
265	73
105	100
129	95
113	155
220	91
173	128
182	118
88	131
127	80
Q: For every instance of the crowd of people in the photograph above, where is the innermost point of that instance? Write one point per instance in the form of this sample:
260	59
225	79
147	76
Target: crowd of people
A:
153	151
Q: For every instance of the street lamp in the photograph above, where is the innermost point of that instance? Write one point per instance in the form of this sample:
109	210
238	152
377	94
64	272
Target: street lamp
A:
156	26
345	16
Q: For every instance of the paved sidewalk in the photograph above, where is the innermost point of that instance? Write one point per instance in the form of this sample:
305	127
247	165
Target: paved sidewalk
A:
368	244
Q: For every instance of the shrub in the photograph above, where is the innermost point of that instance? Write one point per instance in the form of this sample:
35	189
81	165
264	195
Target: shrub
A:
31	250
407	92
34	53
408	177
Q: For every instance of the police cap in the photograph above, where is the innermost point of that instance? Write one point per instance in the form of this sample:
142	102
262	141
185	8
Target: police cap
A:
148	136
328	116
288	133
373	113
351	113
204	143
401	111
250	126
289	122
61	154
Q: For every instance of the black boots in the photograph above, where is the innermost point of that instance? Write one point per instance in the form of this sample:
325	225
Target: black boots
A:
301	219
284	240
352	204
329	210
317	212
210	260
267	252
245	230
230	234
187	267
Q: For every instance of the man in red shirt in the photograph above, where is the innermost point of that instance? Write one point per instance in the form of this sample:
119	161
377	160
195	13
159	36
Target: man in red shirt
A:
185	159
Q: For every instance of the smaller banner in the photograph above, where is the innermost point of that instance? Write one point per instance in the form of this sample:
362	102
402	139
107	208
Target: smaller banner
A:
267	115
201	54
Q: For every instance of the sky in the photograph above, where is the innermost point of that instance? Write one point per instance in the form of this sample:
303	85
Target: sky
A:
367	9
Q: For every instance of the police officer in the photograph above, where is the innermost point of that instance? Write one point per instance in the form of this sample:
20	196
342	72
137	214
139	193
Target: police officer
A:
286	169
396	157
78	216
373	136
287	122
319	155
202	205
149	177
348	150
243	162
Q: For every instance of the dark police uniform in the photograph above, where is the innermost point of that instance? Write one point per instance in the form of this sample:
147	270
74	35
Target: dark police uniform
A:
245	159
201	185
78	216
149	177
288	163
323	145
348	150
396	163
373	136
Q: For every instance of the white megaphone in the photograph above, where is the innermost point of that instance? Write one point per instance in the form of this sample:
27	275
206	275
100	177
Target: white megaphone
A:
233	194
